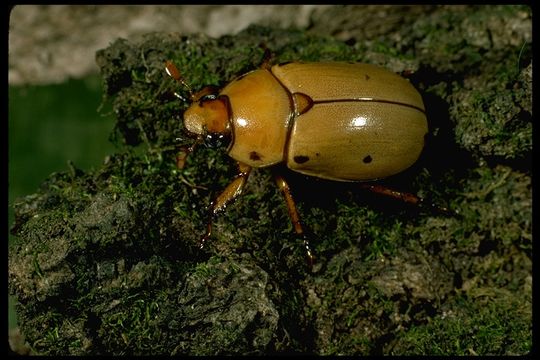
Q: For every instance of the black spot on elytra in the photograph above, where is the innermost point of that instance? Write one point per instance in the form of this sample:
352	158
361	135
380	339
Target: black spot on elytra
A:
367	77
367	159
255	156
300	159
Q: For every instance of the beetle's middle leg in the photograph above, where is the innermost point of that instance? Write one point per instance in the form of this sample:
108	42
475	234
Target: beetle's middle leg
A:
231	192
293	213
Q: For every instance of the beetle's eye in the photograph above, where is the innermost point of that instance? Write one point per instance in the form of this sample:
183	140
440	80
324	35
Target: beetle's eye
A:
208	97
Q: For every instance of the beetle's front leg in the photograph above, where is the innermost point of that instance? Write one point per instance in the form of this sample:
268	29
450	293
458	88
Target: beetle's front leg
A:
293	213
231	192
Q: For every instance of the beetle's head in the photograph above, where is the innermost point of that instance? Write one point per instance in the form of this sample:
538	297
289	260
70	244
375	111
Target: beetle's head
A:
208	114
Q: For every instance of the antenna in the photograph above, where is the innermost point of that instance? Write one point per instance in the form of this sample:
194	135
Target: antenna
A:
173	72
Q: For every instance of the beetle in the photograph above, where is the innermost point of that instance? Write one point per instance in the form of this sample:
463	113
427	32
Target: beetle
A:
348	122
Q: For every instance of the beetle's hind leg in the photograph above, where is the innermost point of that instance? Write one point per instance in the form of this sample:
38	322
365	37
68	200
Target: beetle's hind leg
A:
293	213
231	192
405	197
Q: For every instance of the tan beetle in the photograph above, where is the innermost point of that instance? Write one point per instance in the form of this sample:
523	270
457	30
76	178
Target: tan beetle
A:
331	120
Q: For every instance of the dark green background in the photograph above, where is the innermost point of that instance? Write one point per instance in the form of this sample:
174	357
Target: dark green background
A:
50	125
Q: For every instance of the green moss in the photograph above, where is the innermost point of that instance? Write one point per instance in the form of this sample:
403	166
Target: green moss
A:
476	326
133	322
492	121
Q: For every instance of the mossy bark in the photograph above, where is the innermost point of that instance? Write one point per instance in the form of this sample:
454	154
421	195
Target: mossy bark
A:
107	261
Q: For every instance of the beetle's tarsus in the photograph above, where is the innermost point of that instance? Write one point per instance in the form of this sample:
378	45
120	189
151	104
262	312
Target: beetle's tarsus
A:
309	253
436	208
201	242
207	235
